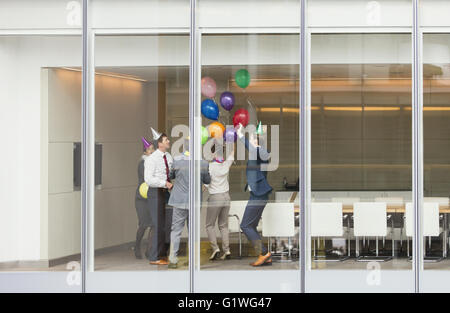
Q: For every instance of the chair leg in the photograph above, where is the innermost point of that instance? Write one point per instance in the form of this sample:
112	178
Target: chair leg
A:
314	248
289	247
357	246
407	247
240	243
376	246
348	237
269	248
392	237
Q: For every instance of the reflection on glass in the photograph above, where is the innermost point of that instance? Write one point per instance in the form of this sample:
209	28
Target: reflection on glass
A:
141	197
436	117
40	217
360	151
249	109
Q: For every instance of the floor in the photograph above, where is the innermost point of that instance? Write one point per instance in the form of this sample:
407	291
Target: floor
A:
123	259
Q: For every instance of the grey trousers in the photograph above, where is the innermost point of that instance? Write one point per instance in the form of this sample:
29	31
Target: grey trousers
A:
179	218
218	209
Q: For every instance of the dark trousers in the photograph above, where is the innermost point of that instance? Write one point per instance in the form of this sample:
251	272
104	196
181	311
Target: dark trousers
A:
252	215
161	222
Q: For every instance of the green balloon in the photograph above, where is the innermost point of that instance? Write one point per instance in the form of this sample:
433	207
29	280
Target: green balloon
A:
242	78
205	135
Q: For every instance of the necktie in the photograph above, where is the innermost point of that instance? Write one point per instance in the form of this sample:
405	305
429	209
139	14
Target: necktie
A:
167	168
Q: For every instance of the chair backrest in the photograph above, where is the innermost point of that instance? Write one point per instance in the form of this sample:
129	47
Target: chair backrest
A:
278	220
326	219
236	208
345	200
390	200
430	219
370	219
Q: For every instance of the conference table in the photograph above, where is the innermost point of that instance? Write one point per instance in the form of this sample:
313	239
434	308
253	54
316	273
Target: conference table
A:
391	208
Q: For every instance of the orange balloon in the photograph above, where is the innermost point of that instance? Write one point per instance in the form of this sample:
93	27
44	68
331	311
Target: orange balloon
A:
216	130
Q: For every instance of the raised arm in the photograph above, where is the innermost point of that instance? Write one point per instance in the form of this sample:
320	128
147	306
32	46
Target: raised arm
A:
259	151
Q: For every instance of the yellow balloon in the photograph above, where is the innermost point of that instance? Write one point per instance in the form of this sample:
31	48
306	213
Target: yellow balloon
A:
143	189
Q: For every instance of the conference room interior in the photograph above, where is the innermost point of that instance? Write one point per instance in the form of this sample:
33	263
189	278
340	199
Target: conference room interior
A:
360	150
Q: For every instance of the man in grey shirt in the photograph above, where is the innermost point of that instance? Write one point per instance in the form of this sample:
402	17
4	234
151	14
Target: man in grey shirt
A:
179	200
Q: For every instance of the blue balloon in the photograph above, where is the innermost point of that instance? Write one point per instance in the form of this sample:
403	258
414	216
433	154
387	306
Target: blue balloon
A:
210	109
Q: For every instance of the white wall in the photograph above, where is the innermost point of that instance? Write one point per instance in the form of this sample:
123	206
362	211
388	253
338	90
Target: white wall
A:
435	13
116	14
20	95
359	13
121	119
42	14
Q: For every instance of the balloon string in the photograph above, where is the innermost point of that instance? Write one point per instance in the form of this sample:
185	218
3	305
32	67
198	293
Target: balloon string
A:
251	104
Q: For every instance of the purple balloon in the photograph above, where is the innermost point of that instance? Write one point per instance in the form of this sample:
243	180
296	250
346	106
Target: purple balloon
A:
227	100
230	135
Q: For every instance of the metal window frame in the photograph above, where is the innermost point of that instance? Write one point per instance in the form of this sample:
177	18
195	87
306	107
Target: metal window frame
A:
417	139
417	148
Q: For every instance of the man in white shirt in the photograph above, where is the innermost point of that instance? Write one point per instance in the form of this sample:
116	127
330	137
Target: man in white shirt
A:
156	175
219	202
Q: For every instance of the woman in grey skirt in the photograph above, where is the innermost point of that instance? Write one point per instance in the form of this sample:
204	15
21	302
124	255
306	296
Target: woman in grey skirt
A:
219	203
141	203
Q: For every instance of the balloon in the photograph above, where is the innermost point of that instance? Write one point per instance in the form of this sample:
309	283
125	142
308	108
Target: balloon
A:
208	87
242	78
227	100
205	135
143	189
230	135
210	109
241	116
216	130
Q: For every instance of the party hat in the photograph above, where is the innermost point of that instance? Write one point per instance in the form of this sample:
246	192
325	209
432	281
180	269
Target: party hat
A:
259	129
146	143
156	135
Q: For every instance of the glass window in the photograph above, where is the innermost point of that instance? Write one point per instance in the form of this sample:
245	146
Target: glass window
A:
436	114
248	221
40	216
141	96
41	219
361	175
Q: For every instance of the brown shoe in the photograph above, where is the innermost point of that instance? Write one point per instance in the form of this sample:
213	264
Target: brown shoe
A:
159	262
263	260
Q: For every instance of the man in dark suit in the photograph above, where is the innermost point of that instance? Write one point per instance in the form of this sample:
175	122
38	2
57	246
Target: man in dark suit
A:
259	194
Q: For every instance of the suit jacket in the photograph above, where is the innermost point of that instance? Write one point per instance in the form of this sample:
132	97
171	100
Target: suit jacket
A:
256	179
179	196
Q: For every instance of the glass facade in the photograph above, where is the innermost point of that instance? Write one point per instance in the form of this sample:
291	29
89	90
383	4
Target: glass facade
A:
300	147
